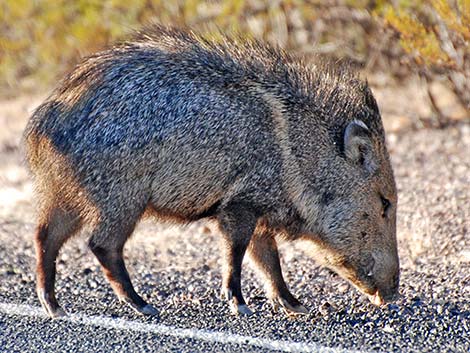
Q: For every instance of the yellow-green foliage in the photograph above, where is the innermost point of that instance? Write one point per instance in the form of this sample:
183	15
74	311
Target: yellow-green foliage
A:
456	18
41	39
436	33
421	28
416	38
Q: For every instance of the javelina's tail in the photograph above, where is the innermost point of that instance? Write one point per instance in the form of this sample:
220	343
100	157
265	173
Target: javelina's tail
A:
40	125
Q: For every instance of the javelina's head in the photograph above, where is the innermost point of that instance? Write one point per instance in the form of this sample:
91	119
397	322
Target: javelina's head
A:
358	215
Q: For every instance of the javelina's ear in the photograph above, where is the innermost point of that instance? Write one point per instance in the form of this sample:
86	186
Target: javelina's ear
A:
358	145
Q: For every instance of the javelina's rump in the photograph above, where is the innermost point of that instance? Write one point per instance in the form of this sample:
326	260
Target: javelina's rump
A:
183	128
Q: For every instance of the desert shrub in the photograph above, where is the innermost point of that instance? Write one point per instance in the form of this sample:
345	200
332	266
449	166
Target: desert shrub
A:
41	39
435	35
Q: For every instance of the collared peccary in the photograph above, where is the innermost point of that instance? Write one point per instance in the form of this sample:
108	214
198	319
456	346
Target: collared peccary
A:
176	126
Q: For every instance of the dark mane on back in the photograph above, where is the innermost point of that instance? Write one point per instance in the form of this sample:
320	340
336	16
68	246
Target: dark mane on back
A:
333	86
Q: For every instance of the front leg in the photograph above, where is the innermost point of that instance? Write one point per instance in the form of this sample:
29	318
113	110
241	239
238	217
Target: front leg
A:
264	254
237	222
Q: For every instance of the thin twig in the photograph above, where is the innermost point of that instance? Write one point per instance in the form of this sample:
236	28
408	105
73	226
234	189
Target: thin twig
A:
441	119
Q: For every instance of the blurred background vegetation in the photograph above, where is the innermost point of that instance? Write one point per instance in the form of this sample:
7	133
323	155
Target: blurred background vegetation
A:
41	39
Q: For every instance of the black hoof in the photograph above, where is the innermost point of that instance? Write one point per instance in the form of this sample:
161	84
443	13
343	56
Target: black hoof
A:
144	309
50	305
289	309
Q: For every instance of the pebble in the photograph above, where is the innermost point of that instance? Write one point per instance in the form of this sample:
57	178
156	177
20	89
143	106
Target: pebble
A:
326	308
343	288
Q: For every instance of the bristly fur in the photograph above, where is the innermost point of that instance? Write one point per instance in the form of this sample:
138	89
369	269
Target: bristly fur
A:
329	87
176	125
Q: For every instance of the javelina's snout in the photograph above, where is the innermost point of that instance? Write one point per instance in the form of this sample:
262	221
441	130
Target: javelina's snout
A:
389	292
386	279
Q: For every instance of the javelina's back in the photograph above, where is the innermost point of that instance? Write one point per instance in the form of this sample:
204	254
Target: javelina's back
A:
184	128
165	112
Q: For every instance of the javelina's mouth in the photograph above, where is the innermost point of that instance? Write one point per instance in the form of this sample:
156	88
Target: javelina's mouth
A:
376	299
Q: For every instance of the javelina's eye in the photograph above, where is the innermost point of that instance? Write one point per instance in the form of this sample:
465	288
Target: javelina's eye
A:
385	206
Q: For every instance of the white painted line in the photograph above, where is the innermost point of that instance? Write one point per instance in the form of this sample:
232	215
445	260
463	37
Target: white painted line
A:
160	329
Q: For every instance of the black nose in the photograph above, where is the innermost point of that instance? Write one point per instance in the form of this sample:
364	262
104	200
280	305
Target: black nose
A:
389	291
390	297
390	294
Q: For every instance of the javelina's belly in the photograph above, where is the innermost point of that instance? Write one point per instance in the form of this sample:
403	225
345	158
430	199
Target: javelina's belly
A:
189	182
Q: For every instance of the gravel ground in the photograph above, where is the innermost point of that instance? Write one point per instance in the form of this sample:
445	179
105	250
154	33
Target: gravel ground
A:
177	269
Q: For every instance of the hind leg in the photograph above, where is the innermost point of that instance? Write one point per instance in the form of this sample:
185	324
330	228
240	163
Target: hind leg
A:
264	254
107	244
51	233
